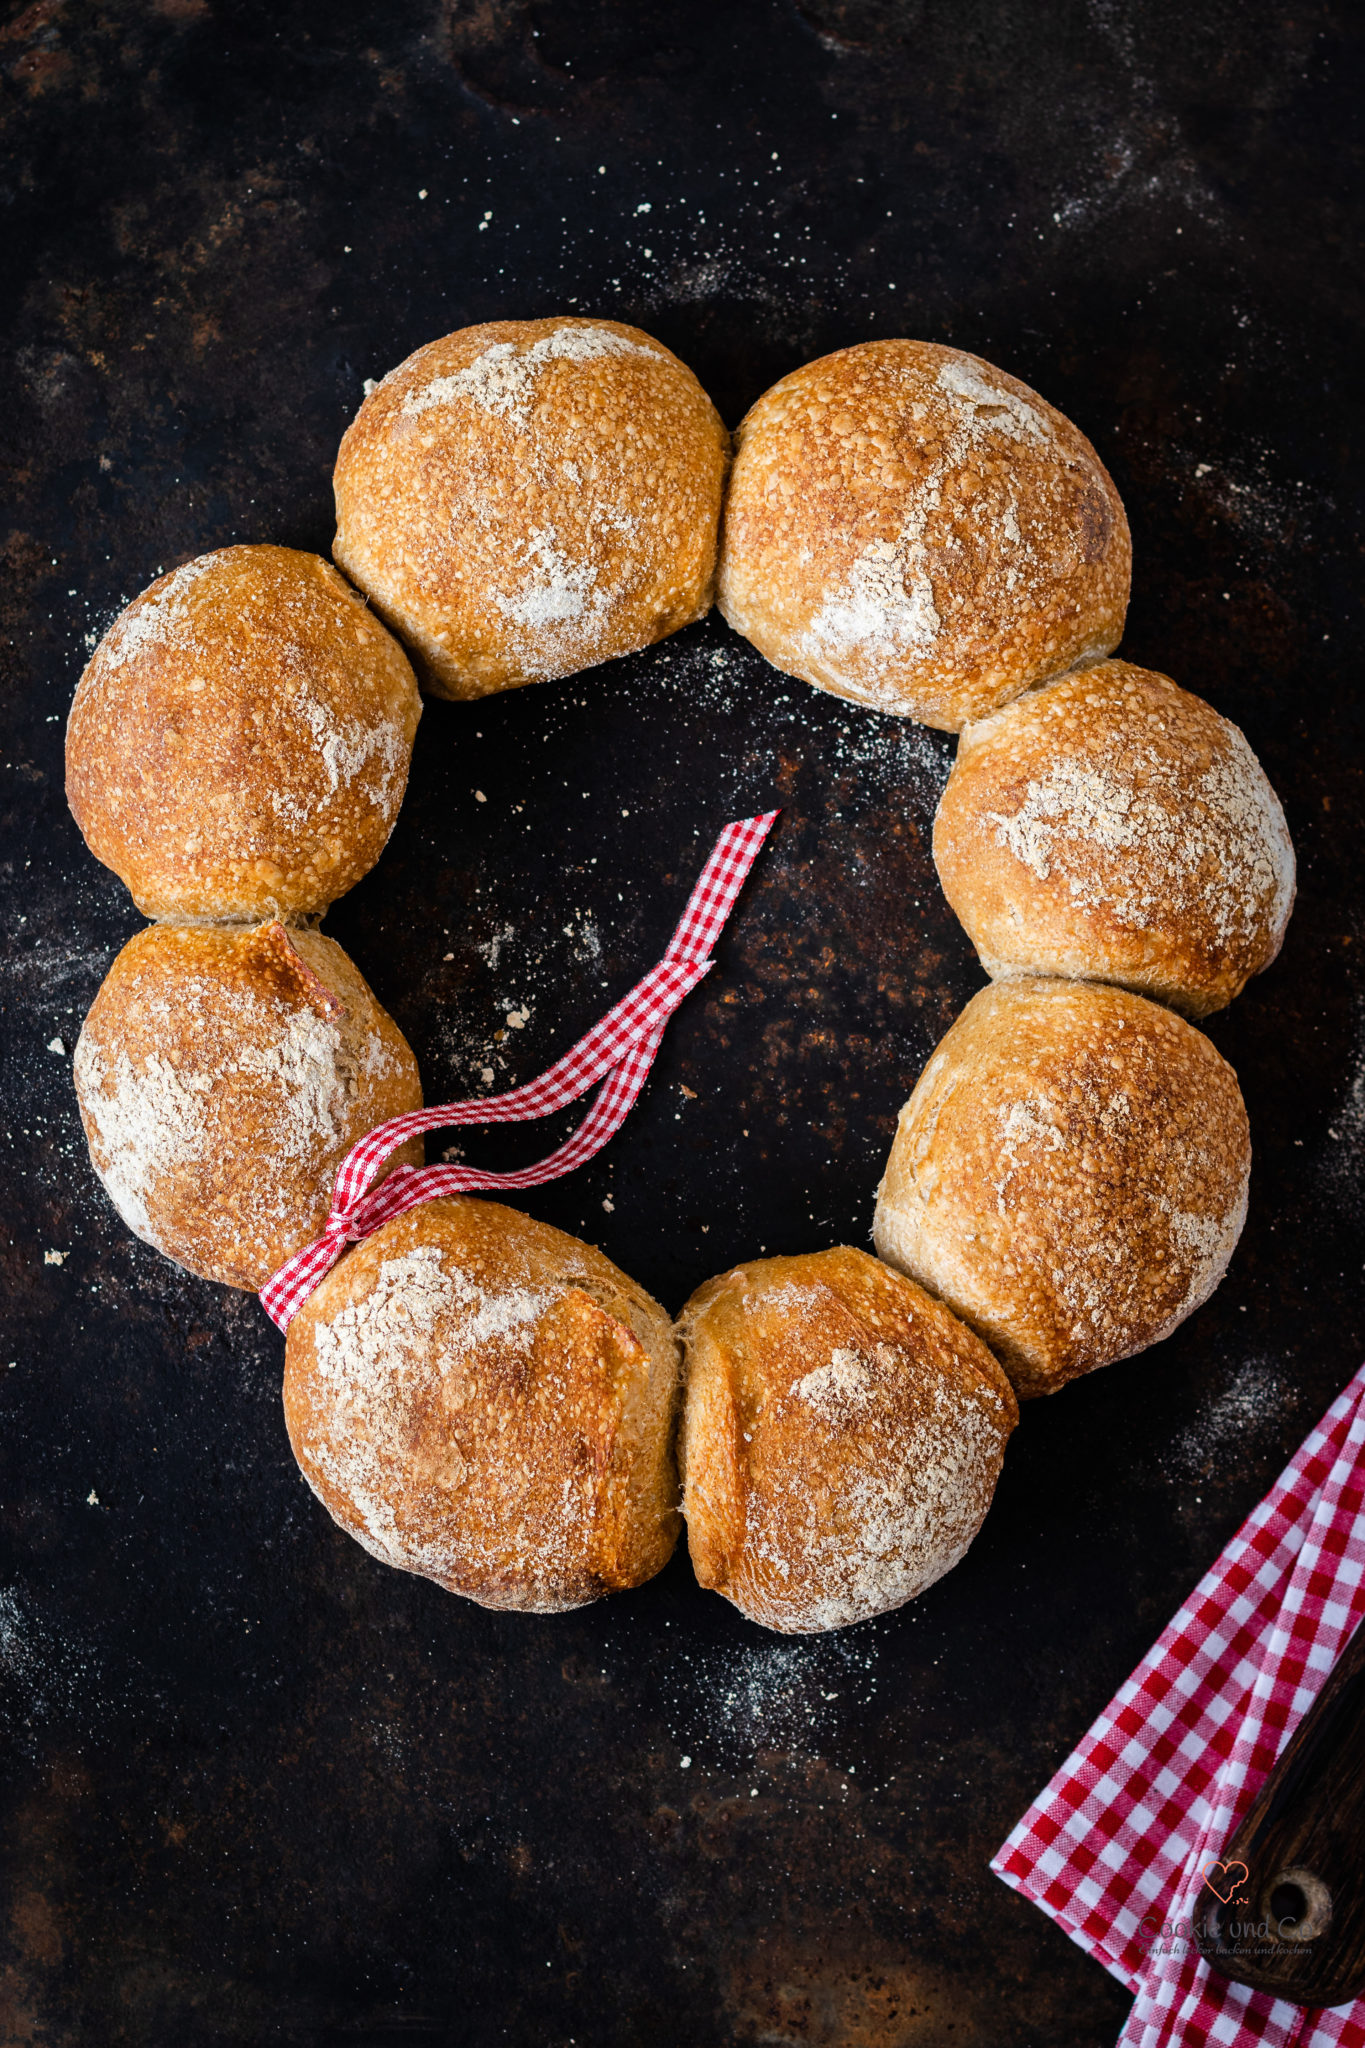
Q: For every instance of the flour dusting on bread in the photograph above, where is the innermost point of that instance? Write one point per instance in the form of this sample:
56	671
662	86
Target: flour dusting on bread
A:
842	1438
911	527
221	1078
489	1403
1114	827
503	378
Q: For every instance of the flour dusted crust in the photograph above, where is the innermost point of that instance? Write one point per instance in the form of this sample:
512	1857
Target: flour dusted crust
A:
1112	827
222	1075
911	527
238	746
485	1401
1069	1175
524	499
842	1437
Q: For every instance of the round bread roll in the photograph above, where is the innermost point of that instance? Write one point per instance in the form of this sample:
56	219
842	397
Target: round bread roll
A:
238	746
842	1437
222	1076
911	527
482	1400
1070	1175
527	498
1112	827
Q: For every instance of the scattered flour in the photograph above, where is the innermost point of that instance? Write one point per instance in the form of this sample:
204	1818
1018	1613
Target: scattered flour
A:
698	680
1338	1166
48	1674
1238	1417
786	1695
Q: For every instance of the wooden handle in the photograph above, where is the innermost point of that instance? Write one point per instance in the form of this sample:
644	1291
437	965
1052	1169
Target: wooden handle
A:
1283	1909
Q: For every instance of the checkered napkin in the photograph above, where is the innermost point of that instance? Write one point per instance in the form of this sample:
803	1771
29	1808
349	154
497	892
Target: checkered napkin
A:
621	1047
1116	1847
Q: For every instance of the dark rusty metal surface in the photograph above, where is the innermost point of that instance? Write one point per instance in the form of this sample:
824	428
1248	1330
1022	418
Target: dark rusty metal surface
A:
260	1789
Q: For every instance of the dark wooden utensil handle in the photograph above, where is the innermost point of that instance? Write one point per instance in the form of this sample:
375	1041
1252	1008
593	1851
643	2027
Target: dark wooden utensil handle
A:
1293	1918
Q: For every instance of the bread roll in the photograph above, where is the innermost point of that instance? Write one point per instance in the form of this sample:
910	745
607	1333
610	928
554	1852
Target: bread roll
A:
909	526
523	499
1112	827
842	1437
482	1400
222	1075
1069	1175
238	747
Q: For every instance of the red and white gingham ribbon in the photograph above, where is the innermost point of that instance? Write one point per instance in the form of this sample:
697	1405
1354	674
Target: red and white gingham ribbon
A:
621	1047
1117	1846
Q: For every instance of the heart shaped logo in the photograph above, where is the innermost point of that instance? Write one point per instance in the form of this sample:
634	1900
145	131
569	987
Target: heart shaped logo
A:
1230	1874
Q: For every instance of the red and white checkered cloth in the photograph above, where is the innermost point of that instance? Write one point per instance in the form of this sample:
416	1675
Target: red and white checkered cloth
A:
621	1047
1116	1847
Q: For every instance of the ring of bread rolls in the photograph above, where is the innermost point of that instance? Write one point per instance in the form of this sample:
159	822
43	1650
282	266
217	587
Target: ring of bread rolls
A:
223	1074
842	1436
1112	827
1069	1175
238	746
528	498
911	527
485	1401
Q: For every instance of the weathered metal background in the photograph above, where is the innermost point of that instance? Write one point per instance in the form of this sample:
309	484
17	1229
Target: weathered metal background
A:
261	1789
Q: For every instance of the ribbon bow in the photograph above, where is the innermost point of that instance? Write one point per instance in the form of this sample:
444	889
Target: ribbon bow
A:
621	1047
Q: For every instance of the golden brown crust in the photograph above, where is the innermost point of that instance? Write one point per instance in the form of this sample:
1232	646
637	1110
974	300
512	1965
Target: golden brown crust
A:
485	1401
1112	827
1069	1175
526	498
842	1437
222	1076
238	746
909	526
